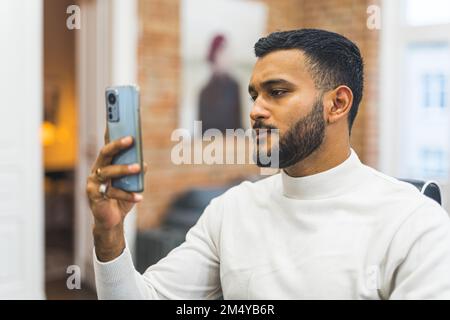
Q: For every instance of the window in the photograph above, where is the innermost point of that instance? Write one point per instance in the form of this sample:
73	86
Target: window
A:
424	139
427	12
434	90
415	87
434	162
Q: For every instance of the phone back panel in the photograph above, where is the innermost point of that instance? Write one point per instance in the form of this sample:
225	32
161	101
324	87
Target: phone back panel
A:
127	124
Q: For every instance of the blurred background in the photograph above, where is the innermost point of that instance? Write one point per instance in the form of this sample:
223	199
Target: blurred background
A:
192	60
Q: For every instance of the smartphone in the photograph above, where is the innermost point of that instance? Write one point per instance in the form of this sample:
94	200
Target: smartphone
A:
123	120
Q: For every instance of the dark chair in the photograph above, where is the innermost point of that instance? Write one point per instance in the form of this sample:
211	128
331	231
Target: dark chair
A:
428	188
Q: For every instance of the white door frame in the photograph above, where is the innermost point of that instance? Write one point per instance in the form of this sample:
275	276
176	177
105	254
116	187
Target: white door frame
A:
106	55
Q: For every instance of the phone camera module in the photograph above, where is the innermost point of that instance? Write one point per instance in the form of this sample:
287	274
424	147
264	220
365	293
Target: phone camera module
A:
112	98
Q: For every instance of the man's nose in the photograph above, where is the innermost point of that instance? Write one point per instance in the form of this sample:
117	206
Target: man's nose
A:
259	111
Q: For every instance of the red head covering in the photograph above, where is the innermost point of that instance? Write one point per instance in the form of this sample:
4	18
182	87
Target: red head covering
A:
216	44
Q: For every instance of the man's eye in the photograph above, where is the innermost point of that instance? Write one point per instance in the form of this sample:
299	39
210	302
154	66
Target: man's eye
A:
253	98
277	93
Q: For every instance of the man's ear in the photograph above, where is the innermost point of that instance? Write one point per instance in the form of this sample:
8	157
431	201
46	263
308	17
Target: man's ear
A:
337	104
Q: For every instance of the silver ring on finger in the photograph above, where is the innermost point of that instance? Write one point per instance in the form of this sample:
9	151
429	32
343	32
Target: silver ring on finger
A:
102	189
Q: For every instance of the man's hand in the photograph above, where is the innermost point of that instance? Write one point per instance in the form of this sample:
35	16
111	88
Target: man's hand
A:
110	208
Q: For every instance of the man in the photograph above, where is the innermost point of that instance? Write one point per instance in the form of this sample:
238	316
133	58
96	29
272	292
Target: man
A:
326	227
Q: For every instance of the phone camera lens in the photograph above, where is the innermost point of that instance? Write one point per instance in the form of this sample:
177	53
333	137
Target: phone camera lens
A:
112	98
110	117
110	109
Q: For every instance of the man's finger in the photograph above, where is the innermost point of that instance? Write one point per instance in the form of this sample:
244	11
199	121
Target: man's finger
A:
114	193
110	150
106	136
115	171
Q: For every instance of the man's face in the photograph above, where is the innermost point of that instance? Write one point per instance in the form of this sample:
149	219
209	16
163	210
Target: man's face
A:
285	98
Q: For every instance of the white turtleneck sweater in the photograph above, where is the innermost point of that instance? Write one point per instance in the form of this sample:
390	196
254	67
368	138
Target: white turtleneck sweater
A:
350	232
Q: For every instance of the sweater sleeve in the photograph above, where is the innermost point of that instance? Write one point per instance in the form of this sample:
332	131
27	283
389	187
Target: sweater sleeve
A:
190	271
419	255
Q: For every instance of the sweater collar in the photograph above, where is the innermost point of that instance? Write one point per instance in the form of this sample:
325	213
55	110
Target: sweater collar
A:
325	184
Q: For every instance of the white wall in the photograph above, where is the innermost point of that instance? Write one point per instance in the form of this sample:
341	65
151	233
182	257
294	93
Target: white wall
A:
21	192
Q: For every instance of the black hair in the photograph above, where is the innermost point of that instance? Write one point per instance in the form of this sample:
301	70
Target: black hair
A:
332	59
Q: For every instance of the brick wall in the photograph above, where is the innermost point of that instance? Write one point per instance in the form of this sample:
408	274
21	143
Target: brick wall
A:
349	17
159	76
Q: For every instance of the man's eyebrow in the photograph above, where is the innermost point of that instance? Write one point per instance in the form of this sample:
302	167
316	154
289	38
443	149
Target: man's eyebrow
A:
269	83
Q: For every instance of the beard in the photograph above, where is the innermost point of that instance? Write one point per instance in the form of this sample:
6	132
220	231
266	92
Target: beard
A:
300	141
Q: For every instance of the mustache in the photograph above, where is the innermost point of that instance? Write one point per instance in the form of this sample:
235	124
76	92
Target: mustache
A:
260	125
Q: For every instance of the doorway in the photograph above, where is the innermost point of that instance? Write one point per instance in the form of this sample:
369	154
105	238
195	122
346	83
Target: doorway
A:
78	65
60	150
